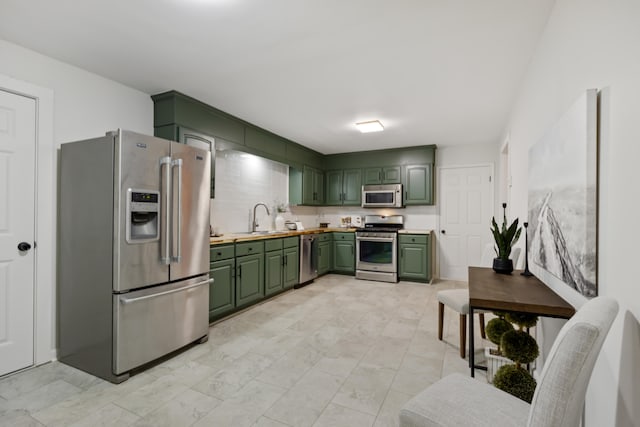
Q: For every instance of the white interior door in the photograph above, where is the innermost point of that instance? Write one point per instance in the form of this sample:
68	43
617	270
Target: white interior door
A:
17	225
466	195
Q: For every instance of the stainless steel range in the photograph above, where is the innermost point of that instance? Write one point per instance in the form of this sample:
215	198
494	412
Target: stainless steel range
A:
376	248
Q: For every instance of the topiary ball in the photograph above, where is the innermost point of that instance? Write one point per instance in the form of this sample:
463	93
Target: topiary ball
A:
515	381
495	328
519	346
524	320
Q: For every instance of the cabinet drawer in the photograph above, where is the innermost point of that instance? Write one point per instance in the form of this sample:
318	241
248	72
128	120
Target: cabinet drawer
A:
272	245
216	253
347	237
249	248
291	242
324	237
413	238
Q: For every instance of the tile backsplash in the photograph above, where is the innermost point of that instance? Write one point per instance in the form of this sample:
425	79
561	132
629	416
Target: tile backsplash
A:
242	180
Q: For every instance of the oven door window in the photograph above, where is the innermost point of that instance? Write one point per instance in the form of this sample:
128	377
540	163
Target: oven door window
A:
383	197
376	252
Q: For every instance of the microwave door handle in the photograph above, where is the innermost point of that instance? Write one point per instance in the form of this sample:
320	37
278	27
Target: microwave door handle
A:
165	189
177	219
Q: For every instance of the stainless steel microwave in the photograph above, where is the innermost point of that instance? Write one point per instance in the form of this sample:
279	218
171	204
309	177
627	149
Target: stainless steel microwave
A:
382	196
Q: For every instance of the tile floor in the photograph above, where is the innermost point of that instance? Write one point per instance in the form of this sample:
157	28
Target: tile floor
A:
339	352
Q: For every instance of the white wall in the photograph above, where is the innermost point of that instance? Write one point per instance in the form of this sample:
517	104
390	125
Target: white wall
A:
84	105
594	44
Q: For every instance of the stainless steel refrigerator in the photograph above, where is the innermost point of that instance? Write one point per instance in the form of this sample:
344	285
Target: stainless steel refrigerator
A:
133	251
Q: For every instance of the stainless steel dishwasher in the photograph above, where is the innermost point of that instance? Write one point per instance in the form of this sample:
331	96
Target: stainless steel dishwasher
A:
308	258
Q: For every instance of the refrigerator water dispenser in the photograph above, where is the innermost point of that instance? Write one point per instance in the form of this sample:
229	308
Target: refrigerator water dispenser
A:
142	216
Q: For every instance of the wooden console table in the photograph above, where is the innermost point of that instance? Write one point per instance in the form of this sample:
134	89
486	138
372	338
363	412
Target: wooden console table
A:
489	290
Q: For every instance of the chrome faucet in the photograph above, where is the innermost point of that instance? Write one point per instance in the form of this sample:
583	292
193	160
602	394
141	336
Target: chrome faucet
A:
255	223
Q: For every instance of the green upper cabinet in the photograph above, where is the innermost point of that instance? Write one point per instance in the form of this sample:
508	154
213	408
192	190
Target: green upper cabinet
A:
312	186
173	110
266	143
344	187
418	184
382	175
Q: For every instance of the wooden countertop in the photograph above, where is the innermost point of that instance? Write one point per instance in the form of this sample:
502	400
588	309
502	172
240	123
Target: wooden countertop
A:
242	237
414	231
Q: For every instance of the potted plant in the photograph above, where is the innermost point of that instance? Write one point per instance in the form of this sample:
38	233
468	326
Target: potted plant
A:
519	346
505	237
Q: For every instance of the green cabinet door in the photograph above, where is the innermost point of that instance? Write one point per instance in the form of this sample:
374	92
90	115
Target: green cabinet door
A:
344	260
414	257
352	187
334	192
382	175
291	267
418	185
273	272
391	175
344	187
324	257
312	186
413	262
249	279
222	298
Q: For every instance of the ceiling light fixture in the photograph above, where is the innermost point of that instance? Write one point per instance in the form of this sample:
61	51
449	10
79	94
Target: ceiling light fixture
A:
370	126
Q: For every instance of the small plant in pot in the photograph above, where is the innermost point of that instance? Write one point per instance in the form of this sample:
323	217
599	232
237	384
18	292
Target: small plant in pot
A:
519	346
505	237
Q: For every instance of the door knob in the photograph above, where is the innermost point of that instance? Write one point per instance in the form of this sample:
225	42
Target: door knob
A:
24	246
443	231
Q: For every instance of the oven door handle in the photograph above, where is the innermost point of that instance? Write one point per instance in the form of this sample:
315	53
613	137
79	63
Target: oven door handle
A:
376	239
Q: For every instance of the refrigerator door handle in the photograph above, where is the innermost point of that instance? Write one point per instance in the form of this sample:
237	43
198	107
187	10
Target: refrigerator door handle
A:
176	256
124	300
165	189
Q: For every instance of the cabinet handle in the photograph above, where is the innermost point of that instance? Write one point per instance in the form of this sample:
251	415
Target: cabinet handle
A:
351	250
239	271
219	253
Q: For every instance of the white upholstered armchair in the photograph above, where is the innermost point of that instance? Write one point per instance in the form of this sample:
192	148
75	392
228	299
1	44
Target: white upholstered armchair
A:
459	400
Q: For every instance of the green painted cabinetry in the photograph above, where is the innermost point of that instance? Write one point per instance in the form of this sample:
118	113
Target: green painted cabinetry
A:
344	260
222	298
291	256
344	187
382	175
249	272
312	186
273	266
418	184
414	257
325	253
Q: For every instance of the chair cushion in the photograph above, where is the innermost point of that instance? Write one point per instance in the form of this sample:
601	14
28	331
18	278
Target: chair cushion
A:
458	400
456	299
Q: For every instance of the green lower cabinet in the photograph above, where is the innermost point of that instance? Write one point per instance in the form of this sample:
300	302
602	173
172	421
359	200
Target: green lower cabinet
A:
249	279
222	298
291	272
273	272
324	257
344	260
414	258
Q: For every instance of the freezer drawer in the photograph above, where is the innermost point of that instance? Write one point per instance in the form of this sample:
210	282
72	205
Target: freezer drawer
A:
153	322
